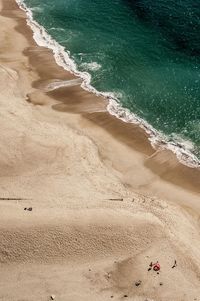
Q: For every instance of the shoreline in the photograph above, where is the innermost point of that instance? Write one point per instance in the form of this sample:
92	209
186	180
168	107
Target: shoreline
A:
163	163
157	140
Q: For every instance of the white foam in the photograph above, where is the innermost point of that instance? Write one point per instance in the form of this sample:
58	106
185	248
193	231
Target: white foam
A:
62	57
93	66
57	29
37	9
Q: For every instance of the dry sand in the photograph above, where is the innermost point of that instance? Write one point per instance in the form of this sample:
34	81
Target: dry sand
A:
104	203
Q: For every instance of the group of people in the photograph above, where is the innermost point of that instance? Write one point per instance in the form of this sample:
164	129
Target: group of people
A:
156	266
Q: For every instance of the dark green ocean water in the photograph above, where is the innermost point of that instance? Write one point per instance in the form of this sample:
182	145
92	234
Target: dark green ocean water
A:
146	52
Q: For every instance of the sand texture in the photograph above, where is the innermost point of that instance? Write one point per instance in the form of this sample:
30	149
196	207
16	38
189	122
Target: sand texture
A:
104	204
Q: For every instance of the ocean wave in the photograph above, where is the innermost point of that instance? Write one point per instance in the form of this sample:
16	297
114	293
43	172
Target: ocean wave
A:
63	59
93	66
56	28
37	9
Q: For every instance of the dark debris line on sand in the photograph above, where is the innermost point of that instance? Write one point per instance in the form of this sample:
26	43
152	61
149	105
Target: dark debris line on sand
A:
13	199
118	200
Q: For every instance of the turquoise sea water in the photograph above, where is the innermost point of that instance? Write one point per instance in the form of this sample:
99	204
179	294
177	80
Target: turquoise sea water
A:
146	52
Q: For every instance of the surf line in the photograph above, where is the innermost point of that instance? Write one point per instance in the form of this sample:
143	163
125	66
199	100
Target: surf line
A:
63	59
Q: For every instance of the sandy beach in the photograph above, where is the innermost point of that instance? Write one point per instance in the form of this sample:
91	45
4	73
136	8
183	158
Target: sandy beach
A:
104	203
